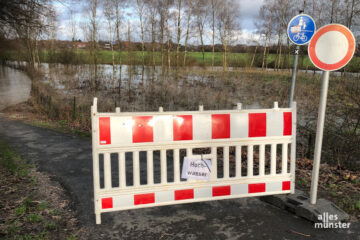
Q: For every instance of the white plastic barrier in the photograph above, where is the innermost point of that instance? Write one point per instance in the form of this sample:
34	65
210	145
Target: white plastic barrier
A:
126	139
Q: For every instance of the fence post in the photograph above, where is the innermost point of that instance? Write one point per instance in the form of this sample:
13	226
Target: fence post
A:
74	108
96	173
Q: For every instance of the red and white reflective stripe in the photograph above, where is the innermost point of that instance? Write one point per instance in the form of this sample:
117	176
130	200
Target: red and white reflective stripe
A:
166	128
104	133
206	193
287	124
183	127
163	128
202	127
257	124
220	126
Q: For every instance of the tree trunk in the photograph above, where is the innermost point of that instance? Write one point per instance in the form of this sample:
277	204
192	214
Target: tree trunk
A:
142	41
264	54
213	32
117	25
112	53
140	6
168	45
225	57
200	27
253	58
187	34
349	21
162	26
178	33
153	40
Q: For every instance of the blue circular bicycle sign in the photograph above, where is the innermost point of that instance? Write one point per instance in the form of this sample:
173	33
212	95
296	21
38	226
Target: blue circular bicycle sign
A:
301	28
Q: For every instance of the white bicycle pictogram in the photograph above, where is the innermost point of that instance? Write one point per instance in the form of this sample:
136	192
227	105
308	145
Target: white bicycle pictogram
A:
300	36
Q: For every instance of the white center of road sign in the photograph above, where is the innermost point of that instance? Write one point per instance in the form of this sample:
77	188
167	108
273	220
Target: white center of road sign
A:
337	42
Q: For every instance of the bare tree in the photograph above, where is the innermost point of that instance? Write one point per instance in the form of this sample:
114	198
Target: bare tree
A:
265	28
178	31
162	9
214	5
168	39
119	5
140	10
253	40
334	5
151	16
189	6
73	24
200	12
91	29
280	10
227	25
52	32
352	12
109	14
129	56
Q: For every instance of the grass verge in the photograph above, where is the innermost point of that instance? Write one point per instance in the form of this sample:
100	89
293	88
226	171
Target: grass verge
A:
33	207
337	185
81	56
30	114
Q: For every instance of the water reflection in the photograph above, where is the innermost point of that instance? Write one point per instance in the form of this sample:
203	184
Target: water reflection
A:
81	77
14	87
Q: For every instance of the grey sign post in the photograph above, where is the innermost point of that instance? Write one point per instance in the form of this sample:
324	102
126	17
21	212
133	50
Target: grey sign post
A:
300	30
293	76
319	136
333	51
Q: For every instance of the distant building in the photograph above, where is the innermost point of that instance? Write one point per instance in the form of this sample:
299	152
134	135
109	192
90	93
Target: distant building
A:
107	46
80	45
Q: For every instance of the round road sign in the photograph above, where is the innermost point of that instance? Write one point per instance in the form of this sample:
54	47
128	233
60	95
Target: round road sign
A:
332	47
300	29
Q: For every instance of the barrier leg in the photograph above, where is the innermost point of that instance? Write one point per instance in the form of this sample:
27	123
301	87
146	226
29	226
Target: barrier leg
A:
98	218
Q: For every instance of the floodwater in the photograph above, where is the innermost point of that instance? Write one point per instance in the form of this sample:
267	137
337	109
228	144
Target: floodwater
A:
14	87
75	79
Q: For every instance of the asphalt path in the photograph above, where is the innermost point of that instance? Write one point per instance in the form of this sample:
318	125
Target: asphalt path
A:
67	158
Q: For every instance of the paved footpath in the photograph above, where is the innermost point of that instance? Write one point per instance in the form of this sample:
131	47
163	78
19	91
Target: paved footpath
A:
68	159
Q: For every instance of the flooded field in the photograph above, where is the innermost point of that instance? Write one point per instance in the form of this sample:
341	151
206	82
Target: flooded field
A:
138	88
15	87
65	92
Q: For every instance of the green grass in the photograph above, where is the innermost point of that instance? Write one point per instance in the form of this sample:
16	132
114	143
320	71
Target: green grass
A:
50	225
7	157
350	204
34	218
60	126
20	210
69	56
29	217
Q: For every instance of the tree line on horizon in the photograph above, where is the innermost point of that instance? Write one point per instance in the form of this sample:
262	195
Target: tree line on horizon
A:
169	27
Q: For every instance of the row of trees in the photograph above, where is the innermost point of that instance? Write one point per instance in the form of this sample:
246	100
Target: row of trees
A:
164	23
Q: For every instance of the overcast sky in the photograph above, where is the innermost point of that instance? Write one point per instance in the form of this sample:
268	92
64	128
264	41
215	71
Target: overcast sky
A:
249	10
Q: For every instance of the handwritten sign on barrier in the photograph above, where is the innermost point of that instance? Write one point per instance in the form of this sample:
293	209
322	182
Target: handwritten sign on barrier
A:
198	169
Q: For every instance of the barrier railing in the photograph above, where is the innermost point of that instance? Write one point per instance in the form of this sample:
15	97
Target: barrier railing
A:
138	157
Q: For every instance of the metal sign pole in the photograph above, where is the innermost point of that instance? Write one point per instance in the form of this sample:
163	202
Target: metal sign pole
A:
293	77
319	136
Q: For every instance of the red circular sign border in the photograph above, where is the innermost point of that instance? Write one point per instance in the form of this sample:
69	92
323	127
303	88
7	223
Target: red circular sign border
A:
335	66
